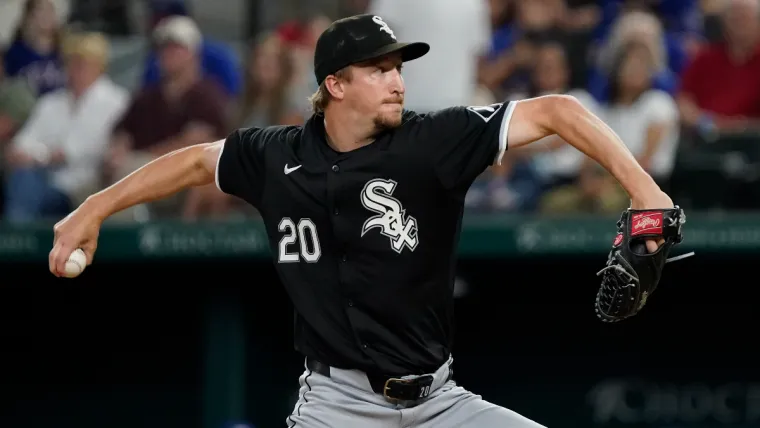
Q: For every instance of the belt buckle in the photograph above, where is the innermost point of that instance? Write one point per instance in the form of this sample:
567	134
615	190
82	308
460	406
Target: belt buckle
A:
386	387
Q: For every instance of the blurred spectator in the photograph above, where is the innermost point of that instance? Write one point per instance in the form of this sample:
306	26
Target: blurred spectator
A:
646	119
558	162
459	35
267	75
301	40
185	108
721	87
638	26
676	15
596	192
682	21
11	12
56	156
218	61
16	103
581	15
529	23
505	67
503	32
34	53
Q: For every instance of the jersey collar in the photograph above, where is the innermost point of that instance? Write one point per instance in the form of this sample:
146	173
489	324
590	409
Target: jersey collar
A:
316	135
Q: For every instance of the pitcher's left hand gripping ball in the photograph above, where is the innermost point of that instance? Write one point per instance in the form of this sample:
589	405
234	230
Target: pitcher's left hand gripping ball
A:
632	273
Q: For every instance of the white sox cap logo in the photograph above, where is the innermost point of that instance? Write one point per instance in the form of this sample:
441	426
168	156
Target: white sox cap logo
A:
392	219
383	26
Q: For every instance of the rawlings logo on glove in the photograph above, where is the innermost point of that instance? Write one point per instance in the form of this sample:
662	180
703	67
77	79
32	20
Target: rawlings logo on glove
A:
646	223
632	273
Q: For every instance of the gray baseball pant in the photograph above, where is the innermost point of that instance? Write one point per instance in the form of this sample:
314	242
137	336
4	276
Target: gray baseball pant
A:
345	399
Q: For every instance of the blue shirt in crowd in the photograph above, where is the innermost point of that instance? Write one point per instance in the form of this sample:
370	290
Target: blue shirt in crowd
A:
43	72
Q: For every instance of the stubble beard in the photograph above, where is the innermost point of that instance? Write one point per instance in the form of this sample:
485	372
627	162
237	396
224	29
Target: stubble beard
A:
386	121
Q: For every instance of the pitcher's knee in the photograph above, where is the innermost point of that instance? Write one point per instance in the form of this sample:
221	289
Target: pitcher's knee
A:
459	408
492	415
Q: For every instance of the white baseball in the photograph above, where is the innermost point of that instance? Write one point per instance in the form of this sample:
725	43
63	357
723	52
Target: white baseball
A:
76	263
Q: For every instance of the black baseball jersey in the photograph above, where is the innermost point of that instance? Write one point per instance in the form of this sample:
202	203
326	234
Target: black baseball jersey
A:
365	241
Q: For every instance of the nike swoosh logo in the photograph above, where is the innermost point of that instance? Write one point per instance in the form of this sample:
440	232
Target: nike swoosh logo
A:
289	170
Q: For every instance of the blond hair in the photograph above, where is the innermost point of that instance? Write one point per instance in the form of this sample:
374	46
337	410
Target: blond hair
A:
320	99
93	45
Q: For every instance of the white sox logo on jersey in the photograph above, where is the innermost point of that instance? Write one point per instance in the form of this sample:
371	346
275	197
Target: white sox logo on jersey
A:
391	219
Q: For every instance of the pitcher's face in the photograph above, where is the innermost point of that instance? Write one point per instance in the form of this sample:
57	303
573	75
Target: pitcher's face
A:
376	89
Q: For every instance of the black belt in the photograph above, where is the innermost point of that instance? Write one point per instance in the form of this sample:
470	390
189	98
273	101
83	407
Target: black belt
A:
393	388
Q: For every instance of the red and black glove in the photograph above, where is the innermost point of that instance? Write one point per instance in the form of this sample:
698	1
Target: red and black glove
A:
633	273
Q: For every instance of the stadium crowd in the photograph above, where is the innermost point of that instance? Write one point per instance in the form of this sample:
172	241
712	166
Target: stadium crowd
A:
677	80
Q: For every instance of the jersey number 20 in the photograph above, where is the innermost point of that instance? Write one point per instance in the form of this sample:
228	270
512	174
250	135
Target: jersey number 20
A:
305	233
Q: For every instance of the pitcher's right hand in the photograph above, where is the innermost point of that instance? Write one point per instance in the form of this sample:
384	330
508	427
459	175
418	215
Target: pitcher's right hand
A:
79	229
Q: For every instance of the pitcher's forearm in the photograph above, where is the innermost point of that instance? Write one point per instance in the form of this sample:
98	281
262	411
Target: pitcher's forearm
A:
592	136
158	179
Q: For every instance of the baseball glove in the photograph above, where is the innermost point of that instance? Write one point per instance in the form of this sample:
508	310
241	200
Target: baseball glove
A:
632	273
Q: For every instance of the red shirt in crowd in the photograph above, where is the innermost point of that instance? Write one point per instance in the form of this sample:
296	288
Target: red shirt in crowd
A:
722	86
151	119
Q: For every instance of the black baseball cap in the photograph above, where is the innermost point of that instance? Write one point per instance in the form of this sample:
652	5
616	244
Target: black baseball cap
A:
359	38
